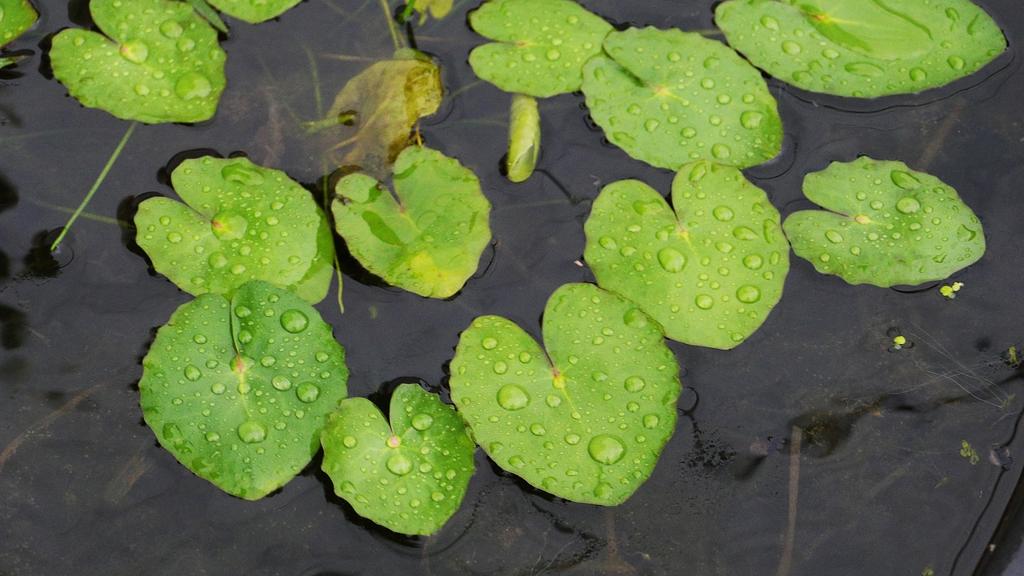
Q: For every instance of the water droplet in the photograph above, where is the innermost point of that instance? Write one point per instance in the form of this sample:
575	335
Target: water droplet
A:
908	205
307	392
830	53
651	124
751	119
671	260
753	261
553	54
512	397
281	383
769	23
252	432
242	311
723	213
525	357
651	421
422	421
192	85
918	75
721	151
538	429
704	302
965	234
135	51
171	29
489	343
748	294
500	367
791	48
192	373
635	384
956	62
744	233
833	236
723	247
294	321
349	441
606	449
904	180
212	437
399	464
218	388
866	69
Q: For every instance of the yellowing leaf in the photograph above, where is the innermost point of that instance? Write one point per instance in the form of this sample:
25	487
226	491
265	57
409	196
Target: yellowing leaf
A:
386	100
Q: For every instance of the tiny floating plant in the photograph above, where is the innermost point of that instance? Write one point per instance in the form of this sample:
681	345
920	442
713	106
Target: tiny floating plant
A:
862	49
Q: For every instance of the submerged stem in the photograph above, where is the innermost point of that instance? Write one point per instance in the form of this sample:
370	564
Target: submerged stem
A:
396	39
95	185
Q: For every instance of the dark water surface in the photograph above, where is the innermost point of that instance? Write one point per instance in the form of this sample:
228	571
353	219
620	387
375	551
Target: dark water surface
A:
813	405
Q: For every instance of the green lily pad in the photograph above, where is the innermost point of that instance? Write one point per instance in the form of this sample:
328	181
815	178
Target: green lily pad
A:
887	225
238	390
589	424
668	97
385	102
16	17
409	477
541	45
254	11
429	236
239	222
162	62
710	272
862	48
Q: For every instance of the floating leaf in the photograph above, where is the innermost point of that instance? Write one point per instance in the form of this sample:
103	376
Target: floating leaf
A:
16	17
437	8
523	138
253	11
541	45
710	272
590	424
385	101
238	390
239	222
668	97
887	225
409	477
161	64
429	239
863	48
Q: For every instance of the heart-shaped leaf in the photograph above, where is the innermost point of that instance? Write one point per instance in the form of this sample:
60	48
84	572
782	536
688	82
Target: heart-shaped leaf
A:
239	222
162	62
409	477
668	97
385	102
238	390
429	236
16	16
862	48
888	225
710	272
541	45
253	11
589	424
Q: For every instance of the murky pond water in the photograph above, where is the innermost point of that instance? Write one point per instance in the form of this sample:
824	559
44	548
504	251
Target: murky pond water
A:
811	449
